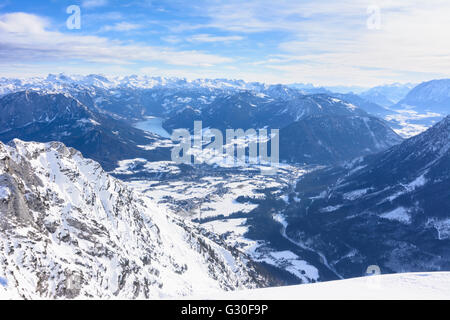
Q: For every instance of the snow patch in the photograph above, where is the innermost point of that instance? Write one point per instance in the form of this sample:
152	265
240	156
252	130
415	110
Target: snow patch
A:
400	214
442	227
418	182
5	193
330	209
355	194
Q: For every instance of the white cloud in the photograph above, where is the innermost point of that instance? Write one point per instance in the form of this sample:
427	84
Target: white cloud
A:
103	16
22	23
94	3
172	39
212	38
404	46
322	41
329	41
122	26
25	37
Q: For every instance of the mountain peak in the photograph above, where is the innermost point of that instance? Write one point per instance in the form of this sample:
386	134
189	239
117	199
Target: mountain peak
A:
87	227
437	137
22	109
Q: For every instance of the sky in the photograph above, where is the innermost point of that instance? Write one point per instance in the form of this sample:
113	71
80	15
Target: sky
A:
324	42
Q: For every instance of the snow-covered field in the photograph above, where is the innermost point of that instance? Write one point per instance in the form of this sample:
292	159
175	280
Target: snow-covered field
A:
408	286
215	194
410	123
210	200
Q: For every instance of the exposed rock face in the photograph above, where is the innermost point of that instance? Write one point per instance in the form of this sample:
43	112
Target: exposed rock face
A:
68	229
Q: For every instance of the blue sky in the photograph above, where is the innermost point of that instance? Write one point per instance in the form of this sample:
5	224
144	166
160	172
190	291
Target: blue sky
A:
325	42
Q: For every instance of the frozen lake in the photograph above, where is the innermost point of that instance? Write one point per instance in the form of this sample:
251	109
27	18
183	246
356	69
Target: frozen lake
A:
153	125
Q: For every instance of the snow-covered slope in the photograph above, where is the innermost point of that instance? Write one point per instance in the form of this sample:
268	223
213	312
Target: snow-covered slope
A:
344	130
391	209
431	96
69	230
314	129
60	82
412	286
387	95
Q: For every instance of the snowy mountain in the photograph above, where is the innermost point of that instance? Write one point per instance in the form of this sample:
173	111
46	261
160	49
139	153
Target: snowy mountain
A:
110	107
431	96
143	95
424	106
134	97
69	230
367	105
391	209
312	89
45	117
329	139
314	129
387	95
129	97
58	82
407	286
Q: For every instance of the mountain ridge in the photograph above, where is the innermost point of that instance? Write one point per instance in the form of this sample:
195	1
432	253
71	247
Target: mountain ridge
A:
44	117
69	230
430	96
389	209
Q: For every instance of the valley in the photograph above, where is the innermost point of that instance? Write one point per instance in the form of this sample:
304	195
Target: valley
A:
335	205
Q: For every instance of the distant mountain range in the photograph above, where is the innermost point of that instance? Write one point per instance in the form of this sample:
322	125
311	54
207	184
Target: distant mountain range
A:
351	193
319	129
45	117
431	96
384	95
95	115
136	85
387	95
121	101
311	88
